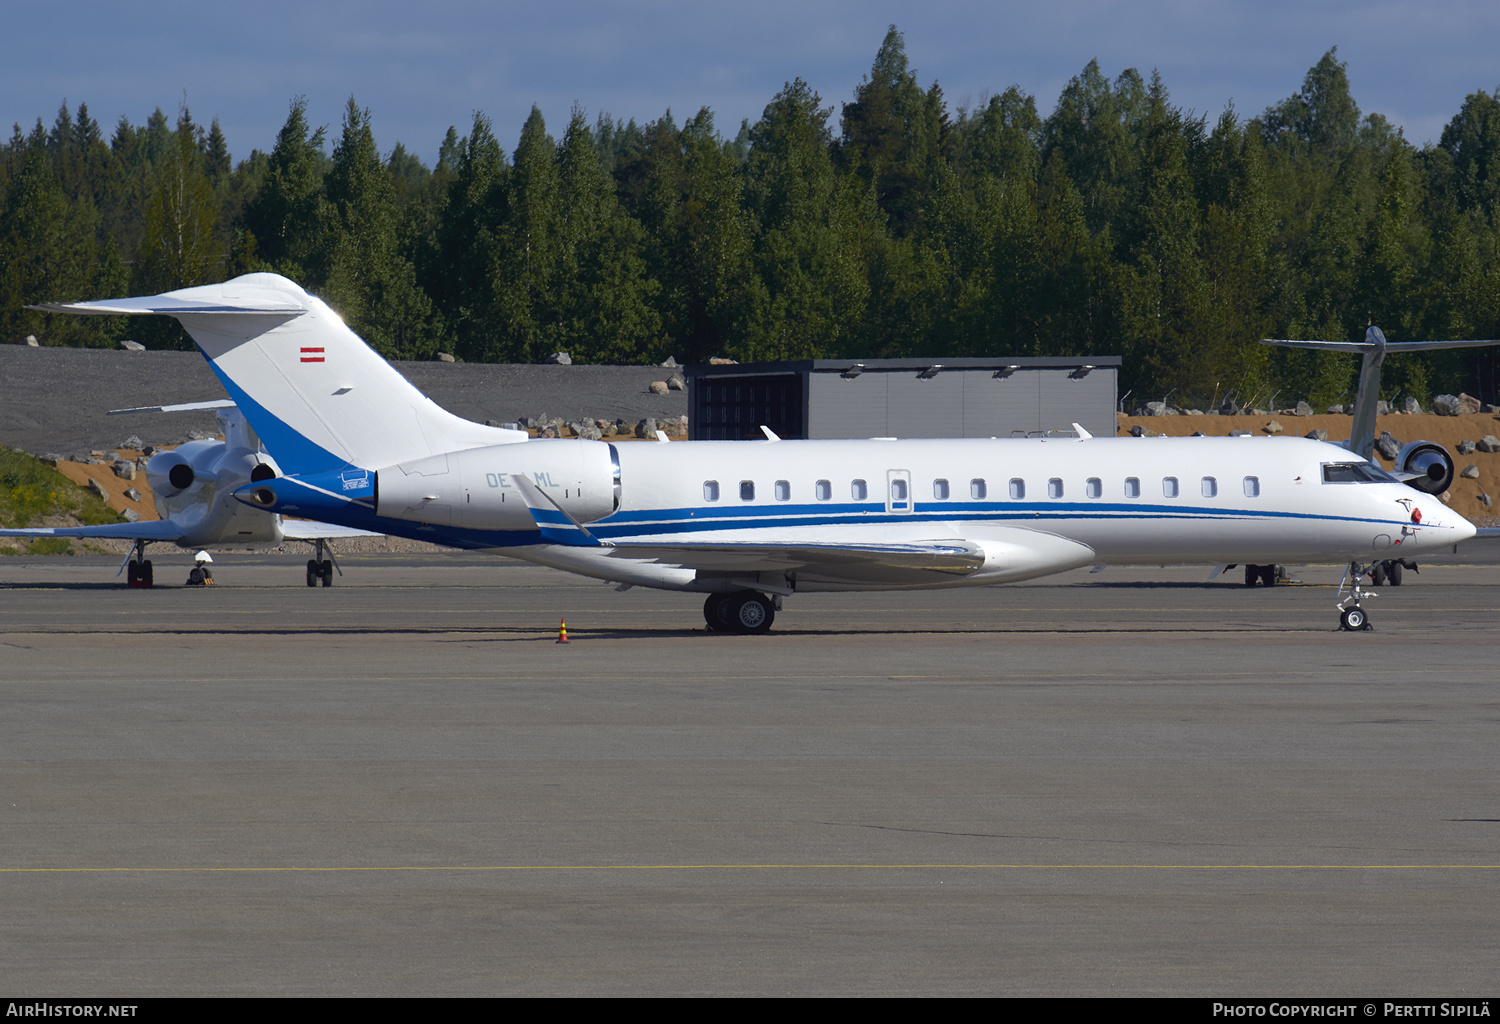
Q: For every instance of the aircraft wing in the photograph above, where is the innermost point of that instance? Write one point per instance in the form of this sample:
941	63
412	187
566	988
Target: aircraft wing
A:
306	529
956	557
151	529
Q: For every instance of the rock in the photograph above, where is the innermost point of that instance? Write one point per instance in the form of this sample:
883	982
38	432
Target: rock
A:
1470	473
1382	408
132	346
1155	409
671	363
1388	446
132	443
132	494
1318	435
1489	443
196	435
445	357
1240	433
1413	407
720	361
1197	433
1336	410
1468	405
676	382
1272	428
96	488
1140	431
131	515
589	431
124	469
1302	409
31	341
559	359
1445	405
1465	447
1484	499
658	387
1229	408
83	458
1192	412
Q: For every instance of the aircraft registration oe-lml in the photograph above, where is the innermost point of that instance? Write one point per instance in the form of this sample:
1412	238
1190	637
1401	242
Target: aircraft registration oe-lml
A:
752	523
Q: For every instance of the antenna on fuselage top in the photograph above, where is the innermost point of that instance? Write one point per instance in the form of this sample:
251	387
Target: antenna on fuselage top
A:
1362	432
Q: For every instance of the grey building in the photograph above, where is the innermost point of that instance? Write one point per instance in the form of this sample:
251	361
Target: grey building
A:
822	398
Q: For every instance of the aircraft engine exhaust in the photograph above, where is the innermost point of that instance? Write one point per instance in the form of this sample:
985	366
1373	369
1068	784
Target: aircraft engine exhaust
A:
1427	466
169	474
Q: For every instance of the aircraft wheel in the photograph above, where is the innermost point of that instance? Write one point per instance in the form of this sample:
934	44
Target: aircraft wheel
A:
1377	574
312	572
145	574
1252	573
716	612
132	571
751	613
1393	573
195	577
1354	619
1268	575
325	572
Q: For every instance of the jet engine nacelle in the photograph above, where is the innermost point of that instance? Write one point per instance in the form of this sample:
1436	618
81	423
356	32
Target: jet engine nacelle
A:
1425	465
170	473
474	488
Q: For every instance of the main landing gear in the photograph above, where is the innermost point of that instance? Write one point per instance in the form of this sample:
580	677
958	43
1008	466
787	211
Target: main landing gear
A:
1390	571
1267	575
1352	615
743	611
138	571
320	569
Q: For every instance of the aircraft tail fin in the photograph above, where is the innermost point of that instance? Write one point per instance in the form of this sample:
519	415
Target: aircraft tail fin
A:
318	396
1362	434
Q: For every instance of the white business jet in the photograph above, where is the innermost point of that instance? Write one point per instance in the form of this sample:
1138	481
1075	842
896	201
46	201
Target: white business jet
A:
753	523
194	487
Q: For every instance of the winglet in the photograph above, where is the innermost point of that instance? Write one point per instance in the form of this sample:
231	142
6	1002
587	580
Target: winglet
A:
770	434
556	526
1083	435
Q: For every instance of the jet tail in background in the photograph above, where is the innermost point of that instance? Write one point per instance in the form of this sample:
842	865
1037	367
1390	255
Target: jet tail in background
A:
1362	434
318	396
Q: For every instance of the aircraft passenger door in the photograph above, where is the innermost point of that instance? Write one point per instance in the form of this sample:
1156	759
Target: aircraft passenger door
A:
898	497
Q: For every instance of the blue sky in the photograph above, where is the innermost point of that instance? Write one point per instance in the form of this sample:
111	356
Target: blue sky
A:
422	67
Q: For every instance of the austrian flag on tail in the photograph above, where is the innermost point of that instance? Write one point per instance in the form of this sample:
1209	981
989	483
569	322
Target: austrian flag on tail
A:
312	355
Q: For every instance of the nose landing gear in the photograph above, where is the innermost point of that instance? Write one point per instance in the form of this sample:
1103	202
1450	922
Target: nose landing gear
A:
1352	616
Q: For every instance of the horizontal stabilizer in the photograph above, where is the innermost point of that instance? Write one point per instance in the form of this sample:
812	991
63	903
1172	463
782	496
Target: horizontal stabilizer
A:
222	403
169	305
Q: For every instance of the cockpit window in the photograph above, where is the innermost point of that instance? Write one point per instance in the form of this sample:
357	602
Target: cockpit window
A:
1355	473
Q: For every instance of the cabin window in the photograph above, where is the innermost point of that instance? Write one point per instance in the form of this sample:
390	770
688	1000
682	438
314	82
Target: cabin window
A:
859	490
747	490
823	489
783	490
1169	486
977	489
1054	488
1252	487
1210	487
898	489
1132	487
1018	488
940	489
1093	487
710	490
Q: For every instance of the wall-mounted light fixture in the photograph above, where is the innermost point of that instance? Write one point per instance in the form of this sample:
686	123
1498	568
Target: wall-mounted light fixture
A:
931	372
1080	373
1005	371
853	371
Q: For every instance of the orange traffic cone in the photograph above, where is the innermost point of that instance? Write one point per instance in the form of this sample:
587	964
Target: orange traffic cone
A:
562	632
